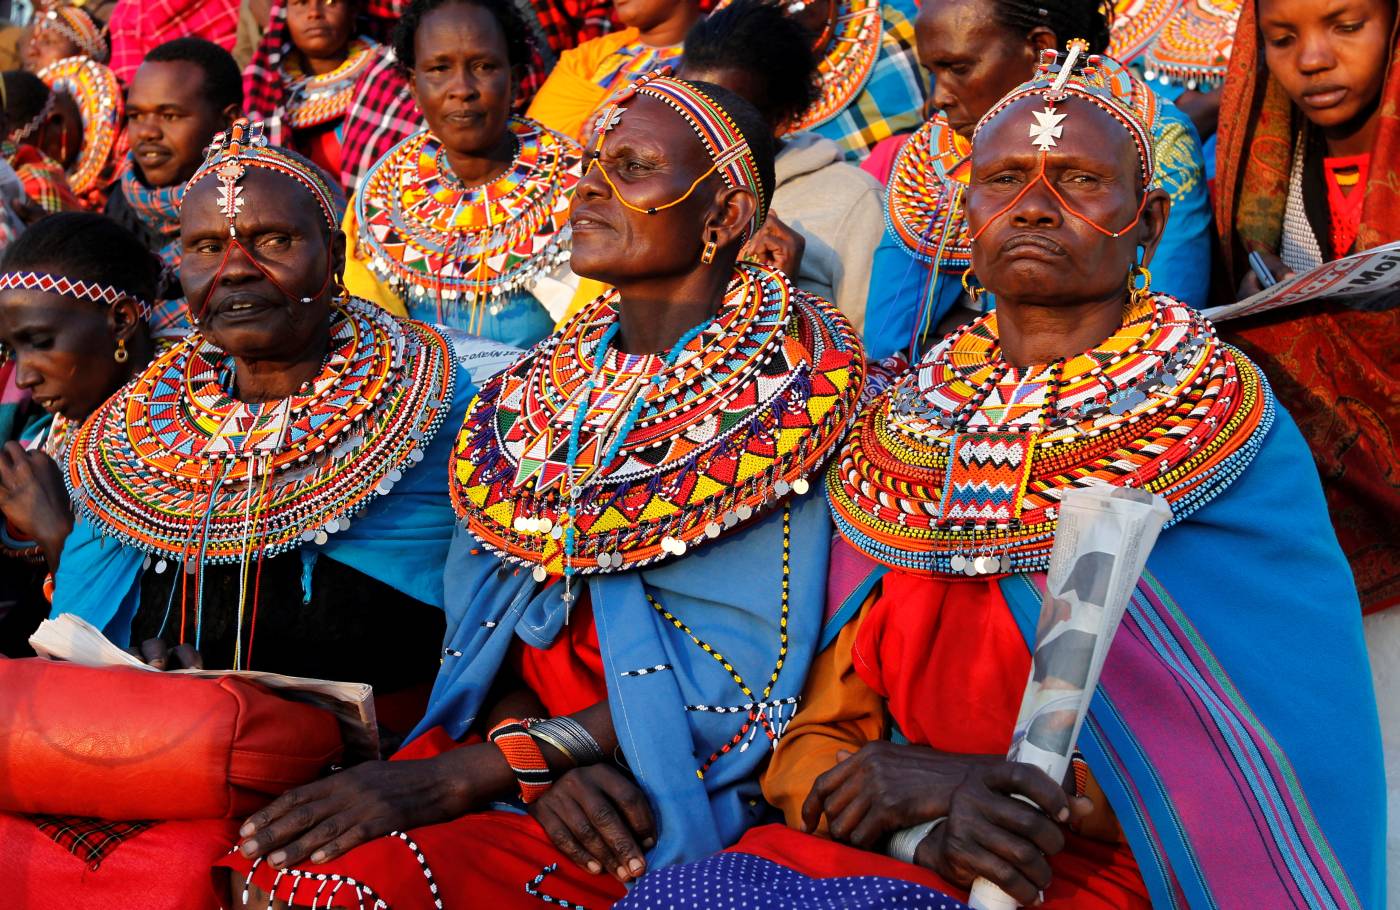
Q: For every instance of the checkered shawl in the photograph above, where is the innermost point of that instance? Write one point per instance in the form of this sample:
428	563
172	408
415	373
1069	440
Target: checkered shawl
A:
137	26
42	177
893	99
565	24
89	839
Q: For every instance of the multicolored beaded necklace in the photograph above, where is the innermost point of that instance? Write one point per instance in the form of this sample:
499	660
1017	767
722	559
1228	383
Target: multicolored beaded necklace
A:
438	241
312	100
177	467
959	467
1193	47
98	95
582	459
1136	24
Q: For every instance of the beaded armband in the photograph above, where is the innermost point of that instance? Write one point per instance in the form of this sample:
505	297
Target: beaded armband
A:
523	755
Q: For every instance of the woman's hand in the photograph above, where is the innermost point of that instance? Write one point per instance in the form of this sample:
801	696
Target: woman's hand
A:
884	788
159	654
990	834
777	246
34	500
600	819
324	819
1251	284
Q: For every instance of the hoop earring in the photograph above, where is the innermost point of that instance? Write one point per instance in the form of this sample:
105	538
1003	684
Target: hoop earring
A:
707	255
120	355
1138	294
974	293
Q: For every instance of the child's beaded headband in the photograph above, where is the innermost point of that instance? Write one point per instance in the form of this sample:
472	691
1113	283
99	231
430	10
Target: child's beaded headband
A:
1111	92
34	123
69	287
242	146
76	25
728	149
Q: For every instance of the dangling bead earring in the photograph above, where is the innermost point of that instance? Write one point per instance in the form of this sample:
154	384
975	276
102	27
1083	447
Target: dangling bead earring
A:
120	355
973	293
707	255
1139	294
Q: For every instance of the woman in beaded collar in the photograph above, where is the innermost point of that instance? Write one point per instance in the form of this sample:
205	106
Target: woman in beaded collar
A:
638	556
945	495
464	224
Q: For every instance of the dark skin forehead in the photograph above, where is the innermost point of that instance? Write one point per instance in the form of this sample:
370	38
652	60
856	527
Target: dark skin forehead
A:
33	311
174	84
655	133
1093	140
459	30
1285	13
957	31
273	202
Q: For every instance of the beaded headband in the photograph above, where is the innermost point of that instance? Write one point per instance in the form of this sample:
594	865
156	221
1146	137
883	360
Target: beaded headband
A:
77	26
1110	90
242	146
729	151
68	287
32	125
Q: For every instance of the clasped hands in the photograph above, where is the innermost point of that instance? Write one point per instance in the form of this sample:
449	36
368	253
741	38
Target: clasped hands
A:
885	787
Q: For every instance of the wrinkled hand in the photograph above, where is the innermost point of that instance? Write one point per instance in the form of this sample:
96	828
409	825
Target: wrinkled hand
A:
991	835
324	819
776	245
884	788
1251	286
159	654
599	819
33	498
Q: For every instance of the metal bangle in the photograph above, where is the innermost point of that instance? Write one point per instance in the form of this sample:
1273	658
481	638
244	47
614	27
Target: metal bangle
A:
570	737
904	844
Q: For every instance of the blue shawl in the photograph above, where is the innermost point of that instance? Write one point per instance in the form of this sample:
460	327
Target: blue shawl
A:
659	681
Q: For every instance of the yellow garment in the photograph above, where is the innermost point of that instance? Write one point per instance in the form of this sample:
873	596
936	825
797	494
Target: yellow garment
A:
359	280
570	95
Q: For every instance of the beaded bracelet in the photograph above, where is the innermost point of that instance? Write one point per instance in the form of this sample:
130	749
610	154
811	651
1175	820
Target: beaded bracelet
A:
523	755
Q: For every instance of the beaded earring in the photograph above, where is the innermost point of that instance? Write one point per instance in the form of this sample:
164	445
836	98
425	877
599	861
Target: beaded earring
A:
707	255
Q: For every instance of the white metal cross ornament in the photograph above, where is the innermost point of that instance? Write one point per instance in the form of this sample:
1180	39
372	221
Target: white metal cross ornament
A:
1046	128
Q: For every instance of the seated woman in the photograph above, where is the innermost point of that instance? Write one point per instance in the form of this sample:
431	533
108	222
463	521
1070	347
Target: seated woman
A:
614	482
465	223
85	133
976	52
303	75
268	493
751	48
1210	778
585	76
75	292
60	32
29	114
1327	191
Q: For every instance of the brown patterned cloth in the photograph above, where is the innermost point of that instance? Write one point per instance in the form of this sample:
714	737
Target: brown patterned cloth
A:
89	839
1334	368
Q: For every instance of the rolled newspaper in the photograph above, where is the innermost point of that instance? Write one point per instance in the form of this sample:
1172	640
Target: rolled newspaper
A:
1101	545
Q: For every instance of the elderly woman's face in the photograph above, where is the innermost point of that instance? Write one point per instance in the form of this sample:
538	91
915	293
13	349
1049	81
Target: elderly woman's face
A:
1037	251
239	307
461	77
973	60
652	156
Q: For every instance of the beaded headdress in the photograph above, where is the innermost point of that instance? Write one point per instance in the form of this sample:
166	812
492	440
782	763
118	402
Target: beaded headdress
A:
78	289
94	88
729	151
242	146
1109	89
77	26
31	126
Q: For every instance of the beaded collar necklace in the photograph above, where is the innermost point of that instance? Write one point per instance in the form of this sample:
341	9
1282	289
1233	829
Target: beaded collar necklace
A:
436	241
924	207
1193	47
313	100
98	95
583	459
958	468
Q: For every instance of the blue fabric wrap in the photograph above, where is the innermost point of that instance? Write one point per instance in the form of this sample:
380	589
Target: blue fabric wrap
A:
1259	574
400	539
1180	267
728	593
520	322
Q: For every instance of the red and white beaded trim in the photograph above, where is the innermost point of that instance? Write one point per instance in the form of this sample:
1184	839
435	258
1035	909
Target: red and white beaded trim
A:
69	287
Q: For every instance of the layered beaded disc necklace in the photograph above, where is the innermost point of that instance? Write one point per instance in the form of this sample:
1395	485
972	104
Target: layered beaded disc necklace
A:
179	468
313	100
959	467
439	241
94	88
581	458
924	201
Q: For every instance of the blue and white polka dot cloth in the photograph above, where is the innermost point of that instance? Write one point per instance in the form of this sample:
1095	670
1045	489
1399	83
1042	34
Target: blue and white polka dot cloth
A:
741	881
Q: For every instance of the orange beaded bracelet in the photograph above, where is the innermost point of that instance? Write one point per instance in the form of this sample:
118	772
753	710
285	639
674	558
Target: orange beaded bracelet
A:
523	755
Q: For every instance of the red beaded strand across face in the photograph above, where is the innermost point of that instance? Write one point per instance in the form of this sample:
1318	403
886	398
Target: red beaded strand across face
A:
1055	83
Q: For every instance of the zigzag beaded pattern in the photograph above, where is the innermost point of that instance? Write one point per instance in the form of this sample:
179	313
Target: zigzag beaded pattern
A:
965	456
1194	46
94	88
923	202
1136	23
69	287
755	402
174	465
313	100
434	239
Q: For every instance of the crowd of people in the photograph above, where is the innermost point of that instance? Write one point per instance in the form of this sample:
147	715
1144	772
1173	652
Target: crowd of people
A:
666	407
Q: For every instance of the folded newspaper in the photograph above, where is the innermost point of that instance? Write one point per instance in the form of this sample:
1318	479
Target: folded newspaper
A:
1369	280
1102	540
75	640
